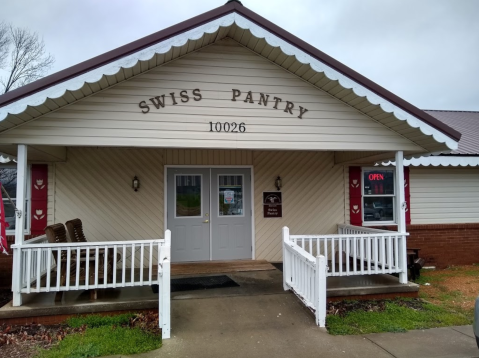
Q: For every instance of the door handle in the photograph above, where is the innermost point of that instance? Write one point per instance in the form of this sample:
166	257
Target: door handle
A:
206	221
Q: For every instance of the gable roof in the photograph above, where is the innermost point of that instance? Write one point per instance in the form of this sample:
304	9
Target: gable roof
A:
465	122
467	153
249	29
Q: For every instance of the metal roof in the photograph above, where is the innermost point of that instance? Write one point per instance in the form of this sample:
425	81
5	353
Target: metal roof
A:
467	123
250	30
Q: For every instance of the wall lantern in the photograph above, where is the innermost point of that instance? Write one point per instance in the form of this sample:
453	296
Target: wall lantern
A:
278	183
135	183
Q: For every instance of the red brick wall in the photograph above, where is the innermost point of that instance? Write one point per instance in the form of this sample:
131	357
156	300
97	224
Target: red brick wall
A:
6	262
443	245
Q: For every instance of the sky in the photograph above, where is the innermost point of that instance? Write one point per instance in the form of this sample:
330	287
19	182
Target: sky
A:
424	51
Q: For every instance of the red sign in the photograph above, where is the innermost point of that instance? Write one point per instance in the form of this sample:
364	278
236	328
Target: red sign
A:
376	176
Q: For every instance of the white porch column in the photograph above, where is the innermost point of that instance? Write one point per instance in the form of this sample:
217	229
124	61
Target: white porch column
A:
19	223
164	288
401	215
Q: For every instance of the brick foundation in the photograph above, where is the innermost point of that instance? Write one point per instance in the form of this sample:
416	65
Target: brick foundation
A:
443	245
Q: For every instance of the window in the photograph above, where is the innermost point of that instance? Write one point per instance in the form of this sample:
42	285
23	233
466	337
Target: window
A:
188	196
378	192
230	195
8	178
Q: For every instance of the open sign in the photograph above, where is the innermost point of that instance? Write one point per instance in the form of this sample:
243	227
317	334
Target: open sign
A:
376	176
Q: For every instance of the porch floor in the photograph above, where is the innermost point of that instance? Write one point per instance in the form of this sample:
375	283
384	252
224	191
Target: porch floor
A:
37	306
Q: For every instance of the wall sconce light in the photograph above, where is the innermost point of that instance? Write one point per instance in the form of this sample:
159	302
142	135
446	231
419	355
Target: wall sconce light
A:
278	183
135	183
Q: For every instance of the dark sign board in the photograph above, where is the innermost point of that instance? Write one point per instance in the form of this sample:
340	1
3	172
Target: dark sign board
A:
272	204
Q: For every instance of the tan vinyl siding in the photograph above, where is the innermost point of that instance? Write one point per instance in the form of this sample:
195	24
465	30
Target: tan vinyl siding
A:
444	195
95	186
208	157
313	197
113	117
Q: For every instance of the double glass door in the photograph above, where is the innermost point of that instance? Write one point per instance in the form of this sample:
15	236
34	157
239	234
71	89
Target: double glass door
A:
209	213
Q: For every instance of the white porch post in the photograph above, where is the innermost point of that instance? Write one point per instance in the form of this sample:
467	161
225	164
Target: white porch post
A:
401	215
320	293
164	274
286	260
19	223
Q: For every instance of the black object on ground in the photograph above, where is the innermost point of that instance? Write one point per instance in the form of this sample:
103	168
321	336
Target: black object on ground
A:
278	265
199	283
5	296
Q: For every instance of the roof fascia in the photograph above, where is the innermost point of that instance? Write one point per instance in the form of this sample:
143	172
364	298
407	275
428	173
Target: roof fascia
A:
348	72
115	54
226	9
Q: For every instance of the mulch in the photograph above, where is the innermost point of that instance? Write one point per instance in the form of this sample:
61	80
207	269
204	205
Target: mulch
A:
24	341
342	308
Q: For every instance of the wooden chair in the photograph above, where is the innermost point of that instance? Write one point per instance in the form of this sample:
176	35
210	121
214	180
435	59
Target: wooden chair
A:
56	233
75	231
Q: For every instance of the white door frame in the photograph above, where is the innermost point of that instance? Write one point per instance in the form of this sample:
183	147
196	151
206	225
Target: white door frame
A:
165	191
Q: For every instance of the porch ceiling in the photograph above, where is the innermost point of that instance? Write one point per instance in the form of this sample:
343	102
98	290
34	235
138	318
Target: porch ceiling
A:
250	35
36	153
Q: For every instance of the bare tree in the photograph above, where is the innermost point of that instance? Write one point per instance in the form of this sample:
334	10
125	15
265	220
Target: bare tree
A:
4	43
28	59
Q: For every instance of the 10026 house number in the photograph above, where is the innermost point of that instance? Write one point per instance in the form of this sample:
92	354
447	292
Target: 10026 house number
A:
232	127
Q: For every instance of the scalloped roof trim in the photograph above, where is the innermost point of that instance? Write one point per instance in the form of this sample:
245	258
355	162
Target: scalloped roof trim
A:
446	161
146	54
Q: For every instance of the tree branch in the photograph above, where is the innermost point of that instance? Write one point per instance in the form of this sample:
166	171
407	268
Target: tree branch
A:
28	58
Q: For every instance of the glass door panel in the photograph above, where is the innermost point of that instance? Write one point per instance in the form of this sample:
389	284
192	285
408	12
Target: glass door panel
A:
230	195
188	196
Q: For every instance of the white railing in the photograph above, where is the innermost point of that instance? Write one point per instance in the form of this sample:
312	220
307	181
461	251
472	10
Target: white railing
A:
358	251
305	275
344	229
55	267
34	262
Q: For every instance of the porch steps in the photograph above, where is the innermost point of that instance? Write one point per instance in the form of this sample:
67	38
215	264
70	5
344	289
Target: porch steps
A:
214	267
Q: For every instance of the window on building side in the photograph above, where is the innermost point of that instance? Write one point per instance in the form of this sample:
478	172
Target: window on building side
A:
8	178
378	195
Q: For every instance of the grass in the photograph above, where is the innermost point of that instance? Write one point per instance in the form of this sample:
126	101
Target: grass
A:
104	335
103	341
396	317
454	288
93	321
447	299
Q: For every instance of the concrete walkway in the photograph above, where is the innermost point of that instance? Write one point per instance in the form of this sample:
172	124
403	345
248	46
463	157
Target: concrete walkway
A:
277	325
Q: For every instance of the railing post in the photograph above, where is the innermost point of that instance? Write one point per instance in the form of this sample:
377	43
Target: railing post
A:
164	274
402	258
401	216
17	274
286	260
17	271
320	283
